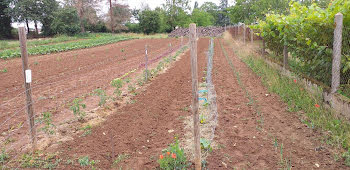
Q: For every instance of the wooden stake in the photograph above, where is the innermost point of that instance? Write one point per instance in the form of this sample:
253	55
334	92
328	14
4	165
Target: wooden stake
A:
29	101
337	52
244	32
285	57
146	62
263	47
197	147
251	35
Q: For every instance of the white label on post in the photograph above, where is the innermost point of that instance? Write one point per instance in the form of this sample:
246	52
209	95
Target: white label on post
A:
28	76
146	52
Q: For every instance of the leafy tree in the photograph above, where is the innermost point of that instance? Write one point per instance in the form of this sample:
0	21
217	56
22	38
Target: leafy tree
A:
248	11
176	13
164	27
195	5
66	21
5	20
133	27
223	18
212	9
149	21
202	18
48	8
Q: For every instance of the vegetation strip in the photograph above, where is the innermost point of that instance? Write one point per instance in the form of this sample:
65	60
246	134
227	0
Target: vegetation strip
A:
54	48
336	130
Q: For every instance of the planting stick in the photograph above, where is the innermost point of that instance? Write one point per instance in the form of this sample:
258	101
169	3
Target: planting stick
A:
197	148
337	52
146	61
27	81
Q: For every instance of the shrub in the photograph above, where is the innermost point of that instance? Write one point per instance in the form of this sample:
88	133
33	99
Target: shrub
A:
173	157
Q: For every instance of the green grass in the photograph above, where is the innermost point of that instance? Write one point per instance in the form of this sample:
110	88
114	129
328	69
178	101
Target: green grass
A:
91	40
298	99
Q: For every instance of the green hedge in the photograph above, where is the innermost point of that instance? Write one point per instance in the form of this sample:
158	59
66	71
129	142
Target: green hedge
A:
308	33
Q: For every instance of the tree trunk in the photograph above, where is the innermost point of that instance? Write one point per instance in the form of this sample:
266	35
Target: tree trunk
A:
36	27
111	13
81	16
27	23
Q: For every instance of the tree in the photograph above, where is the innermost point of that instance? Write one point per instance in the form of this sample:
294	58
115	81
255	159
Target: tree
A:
121	15
212	9
195	5
5	20
164	27
149	21
202	18
248	11
48	8
66	21
176	12
223	18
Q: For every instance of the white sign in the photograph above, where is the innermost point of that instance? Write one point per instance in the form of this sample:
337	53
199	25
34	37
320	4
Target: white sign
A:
146	52
28	76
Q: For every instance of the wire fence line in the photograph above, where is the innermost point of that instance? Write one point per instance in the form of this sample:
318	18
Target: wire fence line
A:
66	88
109	60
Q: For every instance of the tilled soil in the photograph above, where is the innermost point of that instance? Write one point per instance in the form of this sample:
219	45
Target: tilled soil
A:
245	143
140	130
59	78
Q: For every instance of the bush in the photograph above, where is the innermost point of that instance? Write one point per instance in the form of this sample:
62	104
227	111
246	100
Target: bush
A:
308	33
66	21
173	158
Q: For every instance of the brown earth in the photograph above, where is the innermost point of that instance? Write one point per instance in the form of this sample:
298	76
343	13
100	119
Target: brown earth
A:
59	78
245	143
140	130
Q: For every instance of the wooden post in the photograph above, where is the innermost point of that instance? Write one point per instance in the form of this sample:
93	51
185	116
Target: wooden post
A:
337	52
146	62
244	32
196	131
263	48
29	101
285	57
182	40
251	35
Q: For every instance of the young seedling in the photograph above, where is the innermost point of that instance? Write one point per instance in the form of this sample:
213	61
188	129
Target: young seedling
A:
76	108
87	130
4	70
205	145
103	96
45	119
124	56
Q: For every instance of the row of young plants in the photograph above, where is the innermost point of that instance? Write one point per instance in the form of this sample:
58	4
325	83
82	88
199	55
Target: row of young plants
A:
53	48
308	33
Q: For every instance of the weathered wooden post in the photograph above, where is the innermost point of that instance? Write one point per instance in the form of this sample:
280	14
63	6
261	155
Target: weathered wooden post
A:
263	48
27	80
251	35
244	32
285	57
196	130
337	52
146	62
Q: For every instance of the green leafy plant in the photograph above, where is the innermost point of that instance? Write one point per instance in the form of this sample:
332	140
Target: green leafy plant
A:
205	145
46	120
84	161
87	130
102	95
131	88
4	70
120	158
118	84
76	108
202	119
3	156
173	158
